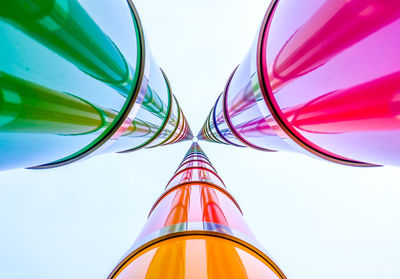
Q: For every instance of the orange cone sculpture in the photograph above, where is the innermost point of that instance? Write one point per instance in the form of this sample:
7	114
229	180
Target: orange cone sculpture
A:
196	230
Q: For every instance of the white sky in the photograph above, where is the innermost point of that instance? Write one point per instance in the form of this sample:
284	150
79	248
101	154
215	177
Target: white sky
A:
317	219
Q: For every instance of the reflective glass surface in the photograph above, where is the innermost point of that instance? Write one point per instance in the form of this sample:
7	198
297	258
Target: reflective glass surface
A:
195	175
194	157
171	125
195	203
152	114
197	257
196	163
213	133
176	135
332	72
220	123
243	110
202	210
66	74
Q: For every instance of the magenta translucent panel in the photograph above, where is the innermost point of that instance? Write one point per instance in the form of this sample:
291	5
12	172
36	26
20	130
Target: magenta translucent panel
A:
332	73
221	125
214	133
243	109
195	174
195	204
196	163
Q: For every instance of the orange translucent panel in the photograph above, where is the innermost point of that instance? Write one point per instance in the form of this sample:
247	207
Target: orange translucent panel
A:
196	163
195	174
195	203
194	157
197	257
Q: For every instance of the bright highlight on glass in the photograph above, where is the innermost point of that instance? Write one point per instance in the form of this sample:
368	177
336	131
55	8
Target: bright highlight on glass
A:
74	82
196	230
323	78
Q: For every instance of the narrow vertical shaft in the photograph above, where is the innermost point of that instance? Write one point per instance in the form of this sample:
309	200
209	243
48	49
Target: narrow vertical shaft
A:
196	229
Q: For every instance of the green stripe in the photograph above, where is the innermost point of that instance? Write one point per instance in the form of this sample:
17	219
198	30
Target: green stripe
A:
126	104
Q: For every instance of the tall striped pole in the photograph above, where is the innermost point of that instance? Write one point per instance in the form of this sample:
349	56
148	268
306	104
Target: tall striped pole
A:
196	229
321	78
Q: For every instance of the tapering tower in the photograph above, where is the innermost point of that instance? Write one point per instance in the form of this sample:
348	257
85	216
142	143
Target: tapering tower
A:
77	78
196	230
322	78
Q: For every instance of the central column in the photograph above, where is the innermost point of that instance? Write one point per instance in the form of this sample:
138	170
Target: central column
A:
196	230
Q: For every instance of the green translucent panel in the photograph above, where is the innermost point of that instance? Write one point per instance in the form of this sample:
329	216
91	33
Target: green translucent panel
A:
175	124
153	115
65	28
170	125
31	108
68	70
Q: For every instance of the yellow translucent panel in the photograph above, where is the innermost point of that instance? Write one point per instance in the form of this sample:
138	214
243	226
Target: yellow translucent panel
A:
196	257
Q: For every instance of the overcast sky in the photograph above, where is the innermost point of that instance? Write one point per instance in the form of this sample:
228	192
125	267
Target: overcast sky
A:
318	220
